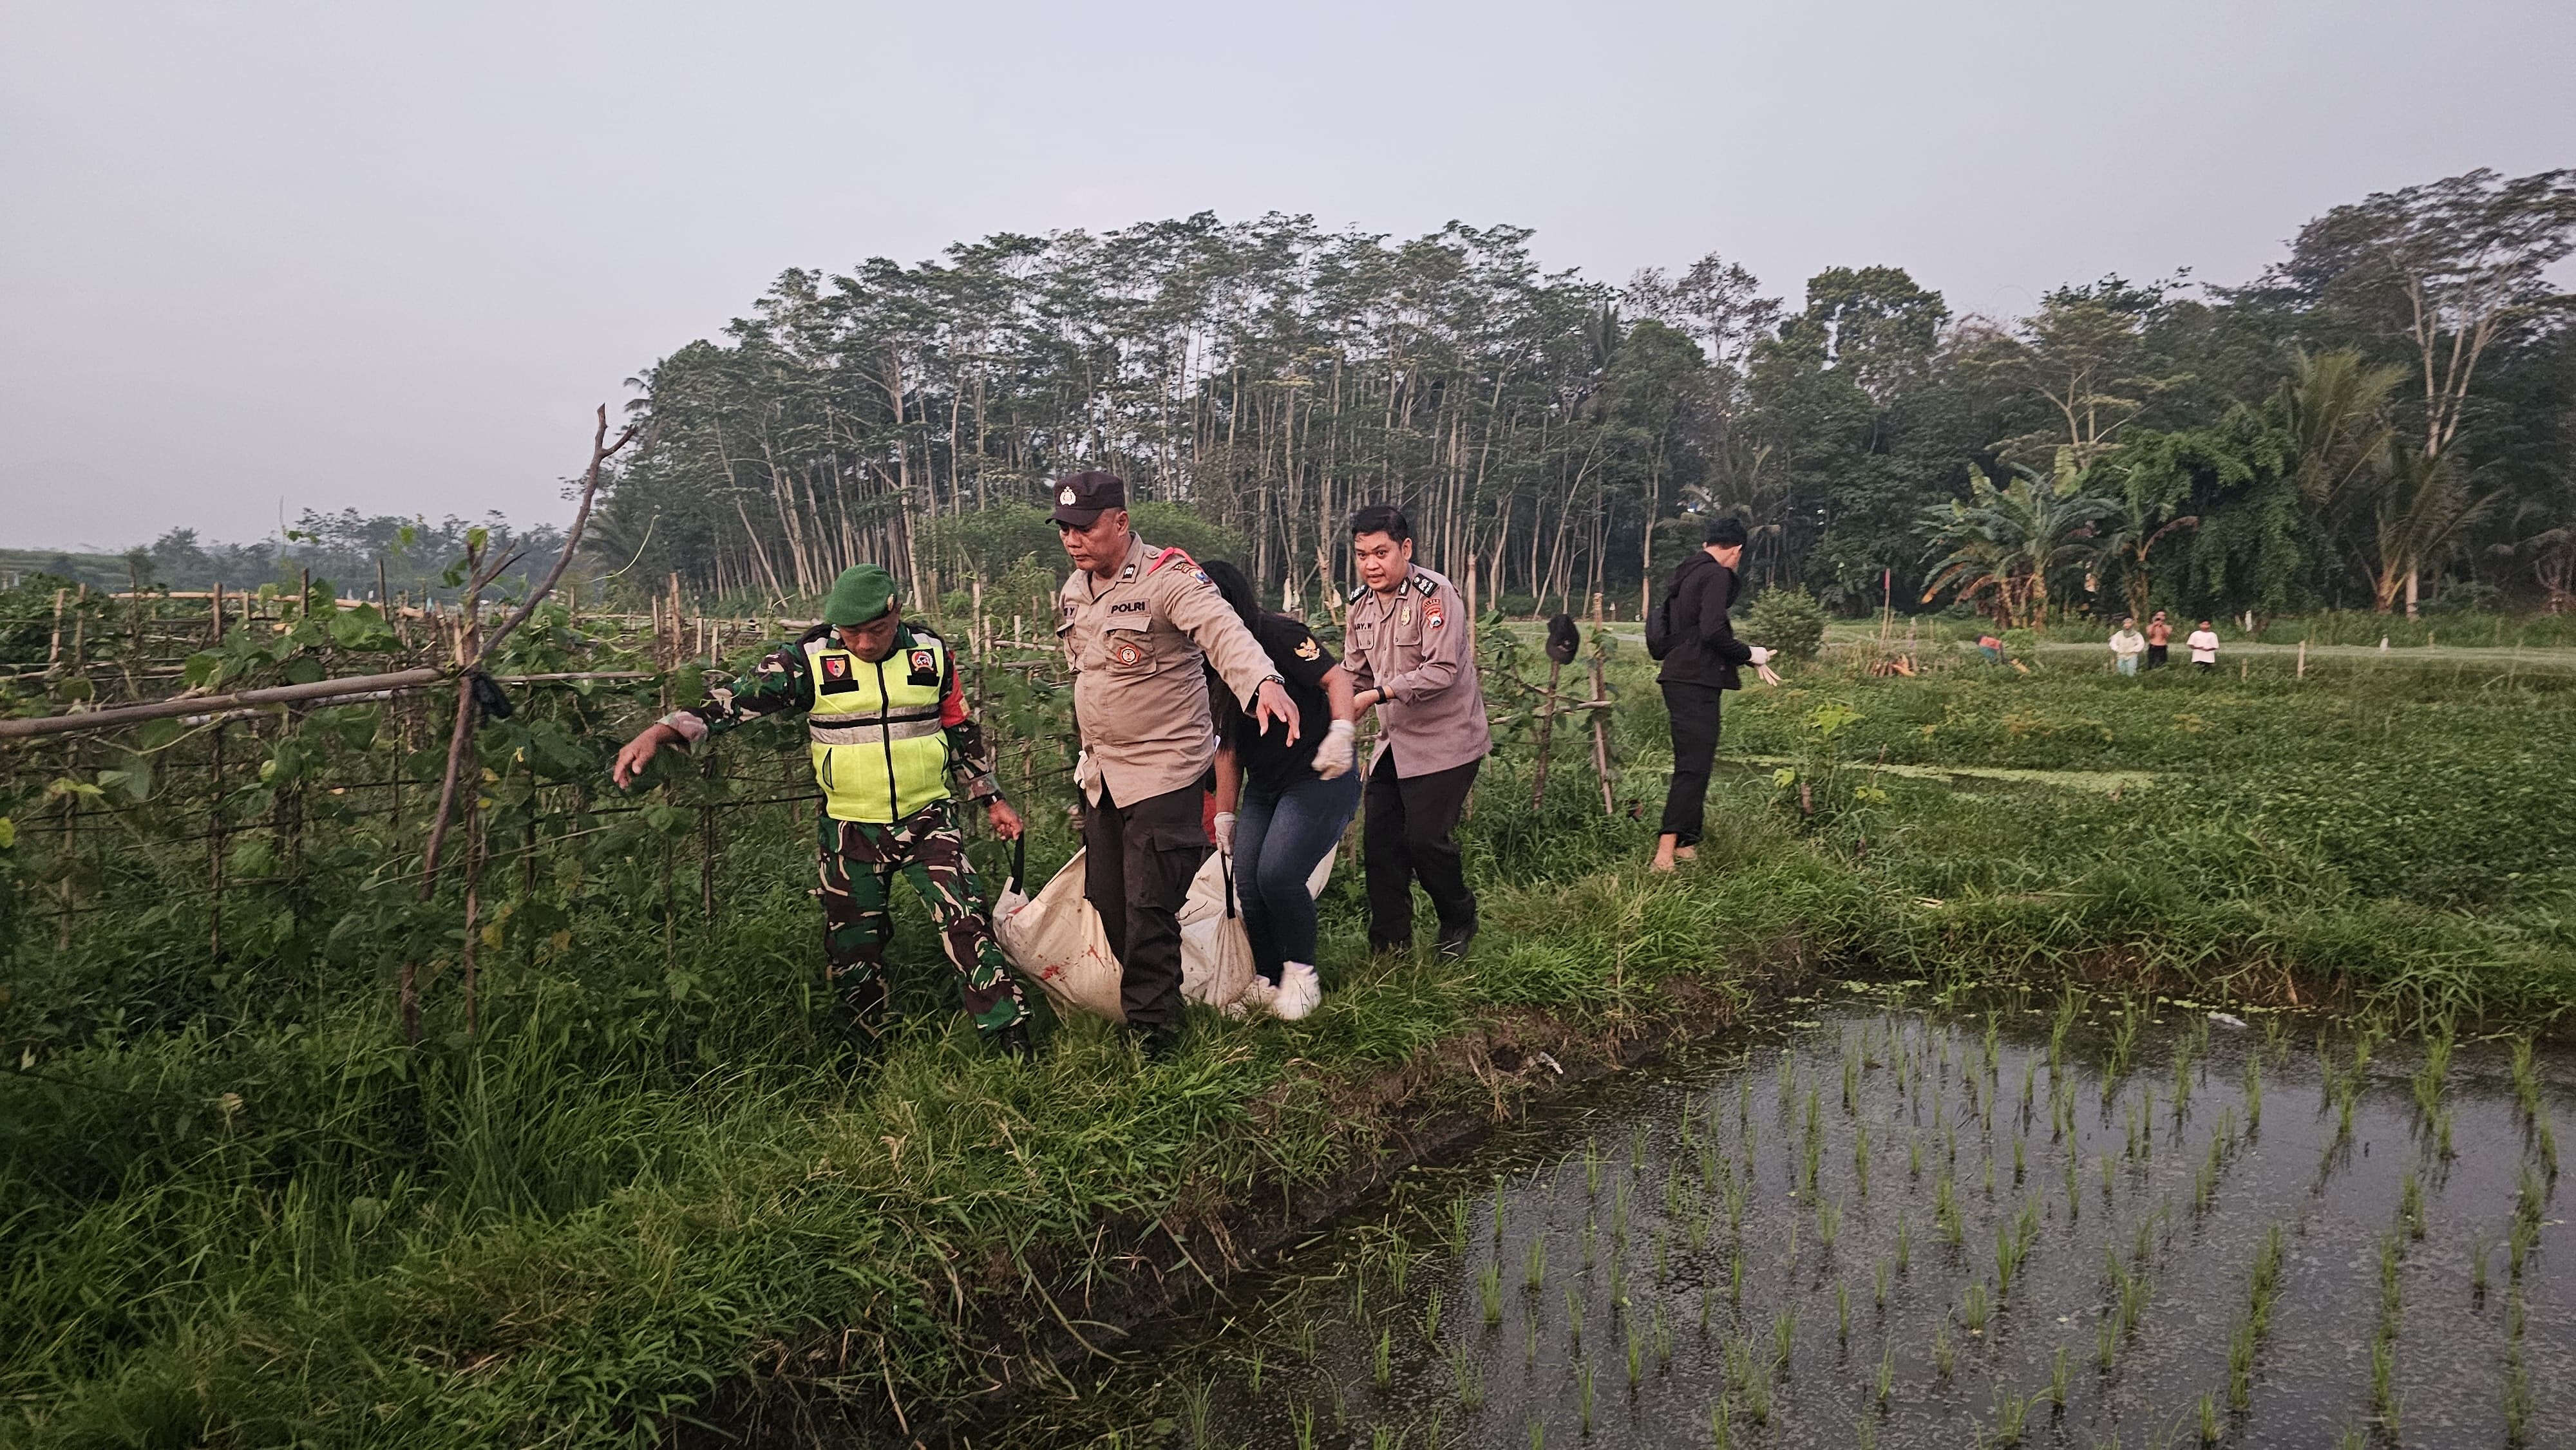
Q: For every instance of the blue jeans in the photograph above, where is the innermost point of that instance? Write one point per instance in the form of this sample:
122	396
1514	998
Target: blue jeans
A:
2128	664
1278	838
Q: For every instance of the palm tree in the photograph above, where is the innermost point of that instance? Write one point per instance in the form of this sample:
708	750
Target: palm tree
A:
2419	514
2005	542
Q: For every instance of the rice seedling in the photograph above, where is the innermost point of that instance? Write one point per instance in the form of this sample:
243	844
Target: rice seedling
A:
1592	1167
1386	1437
1636	1359
2410	1205
1851	1085
1573	1321
1662	1325
1583	1394
1973	1308
1721	1430
2106	1178
2240	1368
2352	1438
1537	1434
1860	1159
1707	1298
1945	1214
1193	1395
1619	1215
1489	1288
1943	1355
2515	1312
1784	1336
1301	1420
2106	1342
1878	1273
1914	1158
1757	1399
2383	1366
2011	1413
2208	1419
1618	1280
1458	1220
1990	1175
1864	1434
1431	1317
1735	1279
1886	1374
1591	1240
2546	1140
2057	1378
2133	1303
1637	1148
1382	1359
1829	1223
2477	1269
2526	1078
1904	1242
1672	1193
1842	1313
1529	1337
2388	1284
2019	1166
2517	1397
1302	1336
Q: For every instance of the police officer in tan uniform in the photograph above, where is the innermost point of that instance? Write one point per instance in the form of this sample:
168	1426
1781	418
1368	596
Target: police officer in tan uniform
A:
1141	626
1407	649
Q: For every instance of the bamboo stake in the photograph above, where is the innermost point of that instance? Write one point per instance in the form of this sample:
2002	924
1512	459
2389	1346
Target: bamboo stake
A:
1599	703
1546	727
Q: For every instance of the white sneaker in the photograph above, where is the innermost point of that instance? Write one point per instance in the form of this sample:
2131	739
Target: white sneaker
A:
1256	998
1298	992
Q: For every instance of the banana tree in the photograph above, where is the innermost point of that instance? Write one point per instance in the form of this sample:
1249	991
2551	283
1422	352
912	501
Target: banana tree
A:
2004	543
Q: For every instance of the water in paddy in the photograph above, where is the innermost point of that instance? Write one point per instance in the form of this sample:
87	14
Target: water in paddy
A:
2075	1223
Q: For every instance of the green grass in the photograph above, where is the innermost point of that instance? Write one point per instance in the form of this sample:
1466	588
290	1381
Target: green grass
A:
656	1172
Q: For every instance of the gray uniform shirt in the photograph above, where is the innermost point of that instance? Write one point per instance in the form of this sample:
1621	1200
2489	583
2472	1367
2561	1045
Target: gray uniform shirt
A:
1136	645
1414	647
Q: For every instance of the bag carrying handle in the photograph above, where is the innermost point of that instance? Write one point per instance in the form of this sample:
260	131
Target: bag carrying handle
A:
1019	860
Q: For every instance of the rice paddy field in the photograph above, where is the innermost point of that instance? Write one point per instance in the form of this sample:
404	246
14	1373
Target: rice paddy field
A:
1910	1079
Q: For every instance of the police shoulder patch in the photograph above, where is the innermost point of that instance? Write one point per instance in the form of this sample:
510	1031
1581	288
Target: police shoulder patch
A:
1431	617
1356	594
923	661
1423	581
1307	649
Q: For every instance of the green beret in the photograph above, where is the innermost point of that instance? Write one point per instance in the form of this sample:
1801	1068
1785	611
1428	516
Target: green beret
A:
861	594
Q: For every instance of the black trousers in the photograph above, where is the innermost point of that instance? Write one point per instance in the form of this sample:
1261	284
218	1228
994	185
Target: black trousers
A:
1408	827
1694	711
2157	654
1137	867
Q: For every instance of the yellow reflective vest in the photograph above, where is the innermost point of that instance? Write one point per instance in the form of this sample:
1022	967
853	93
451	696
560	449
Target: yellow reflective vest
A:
873	728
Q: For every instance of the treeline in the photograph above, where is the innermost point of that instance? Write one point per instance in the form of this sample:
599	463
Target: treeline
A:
2381	418
411	556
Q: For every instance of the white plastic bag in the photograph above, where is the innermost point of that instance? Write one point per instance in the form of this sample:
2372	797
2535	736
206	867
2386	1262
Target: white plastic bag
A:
1055	939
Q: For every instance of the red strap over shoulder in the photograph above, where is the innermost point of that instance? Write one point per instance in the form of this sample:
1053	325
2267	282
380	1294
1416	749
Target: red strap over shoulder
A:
1172	553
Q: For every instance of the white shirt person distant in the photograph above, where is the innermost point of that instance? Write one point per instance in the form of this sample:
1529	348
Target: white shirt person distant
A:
2203	645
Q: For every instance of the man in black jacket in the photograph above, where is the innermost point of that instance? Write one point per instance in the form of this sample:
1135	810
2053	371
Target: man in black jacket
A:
1703	660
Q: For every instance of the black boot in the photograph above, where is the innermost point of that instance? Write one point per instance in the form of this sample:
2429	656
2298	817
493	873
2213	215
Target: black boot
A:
1014	1041
1158	1044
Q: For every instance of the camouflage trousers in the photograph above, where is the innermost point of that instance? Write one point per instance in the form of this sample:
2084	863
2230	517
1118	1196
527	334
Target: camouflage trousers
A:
859	861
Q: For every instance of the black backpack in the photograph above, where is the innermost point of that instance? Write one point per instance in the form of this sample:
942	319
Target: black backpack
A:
1659	622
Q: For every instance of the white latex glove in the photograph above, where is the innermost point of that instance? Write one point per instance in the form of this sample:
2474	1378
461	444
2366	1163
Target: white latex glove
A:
1086	776
1223	829
1761	656
1338	750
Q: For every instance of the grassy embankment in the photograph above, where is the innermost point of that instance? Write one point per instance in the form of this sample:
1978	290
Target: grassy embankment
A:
633	1190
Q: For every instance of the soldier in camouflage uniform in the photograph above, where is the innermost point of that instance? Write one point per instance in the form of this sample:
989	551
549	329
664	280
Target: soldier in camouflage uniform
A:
887	726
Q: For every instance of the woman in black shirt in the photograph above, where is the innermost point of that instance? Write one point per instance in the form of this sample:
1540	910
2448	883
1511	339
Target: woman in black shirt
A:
1282	806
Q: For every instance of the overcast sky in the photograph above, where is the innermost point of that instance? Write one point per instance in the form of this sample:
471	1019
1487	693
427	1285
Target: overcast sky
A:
261	257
